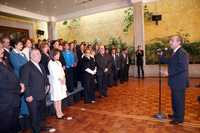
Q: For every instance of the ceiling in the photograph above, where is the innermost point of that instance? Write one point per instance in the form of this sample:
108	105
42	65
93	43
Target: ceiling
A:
60	9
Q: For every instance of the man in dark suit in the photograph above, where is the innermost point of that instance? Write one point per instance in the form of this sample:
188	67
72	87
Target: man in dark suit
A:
33	76
139	61
127	65
177	78
109	77
102	70
9	97
115	65
7	49
124	65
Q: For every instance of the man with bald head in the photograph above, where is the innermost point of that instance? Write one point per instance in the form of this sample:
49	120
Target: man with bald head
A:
33	76
177	78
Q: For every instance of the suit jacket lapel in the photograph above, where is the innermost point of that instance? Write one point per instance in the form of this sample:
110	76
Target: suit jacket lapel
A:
43	70
36	69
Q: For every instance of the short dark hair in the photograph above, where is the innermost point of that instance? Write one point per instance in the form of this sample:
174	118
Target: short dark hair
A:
53	53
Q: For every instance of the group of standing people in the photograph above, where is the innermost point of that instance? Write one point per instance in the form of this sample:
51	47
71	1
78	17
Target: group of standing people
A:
29	74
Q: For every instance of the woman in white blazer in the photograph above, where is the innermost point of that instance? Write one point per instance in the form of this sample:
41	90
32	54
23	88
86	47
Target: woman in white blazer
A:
57	82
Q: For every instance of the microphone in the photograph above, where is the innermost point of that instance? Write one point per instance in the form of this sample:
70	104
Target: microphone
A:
166	49
160	51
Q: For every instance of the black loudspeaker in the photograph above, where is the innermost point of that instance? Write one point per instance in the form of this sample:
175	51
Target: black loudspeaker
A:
156	17
40	32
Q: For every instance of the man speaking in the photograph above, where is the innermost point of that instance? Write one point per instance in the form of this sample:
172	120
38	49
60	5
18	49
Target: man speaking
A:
177	78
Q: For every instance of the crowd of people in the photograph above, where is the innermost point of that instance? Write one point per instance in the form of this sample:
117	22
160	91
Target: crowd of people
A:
31	72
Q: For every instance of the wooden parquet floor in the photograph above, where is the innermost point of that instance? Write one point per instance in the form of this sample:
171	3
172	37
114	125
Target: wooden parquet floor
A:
129	108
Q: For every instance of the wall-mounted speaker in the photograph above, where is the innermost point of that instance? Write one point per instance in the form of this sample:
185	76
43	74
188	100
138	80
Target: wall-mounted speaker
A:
40	32
156	17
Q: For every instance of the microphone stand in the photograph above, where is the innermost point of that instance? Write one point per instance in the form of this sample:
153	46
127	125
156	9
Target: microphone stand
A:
160	116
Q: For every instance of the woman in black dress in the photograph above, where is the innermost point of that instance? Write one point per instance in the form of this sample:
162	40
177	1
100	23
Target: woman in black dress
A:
89	67
45	58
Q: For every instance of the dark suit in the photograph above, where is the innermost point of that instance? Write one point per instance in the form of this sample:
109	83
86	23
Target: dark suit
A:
178	81
80	70
109	76
35	83
88	84
7	59
139	62
9	100
102	64
44	61
115	67
124	68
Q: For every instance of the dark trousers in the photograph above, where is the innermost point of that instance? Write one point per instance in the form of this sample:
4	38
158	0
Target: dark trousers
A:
109	79
70	79
9	120
102	84
140	68
126	72
122	74
115	76
178	104
37	113
89	88
75	78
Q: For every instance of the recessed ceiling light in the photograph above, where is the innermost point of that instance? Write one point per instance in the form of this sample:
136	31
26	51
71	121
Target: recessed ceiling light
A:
55	7
41	2
24	8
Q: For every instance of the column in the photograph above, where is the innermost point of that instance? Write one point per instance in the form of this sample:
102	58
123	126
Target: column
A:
52	30
138	11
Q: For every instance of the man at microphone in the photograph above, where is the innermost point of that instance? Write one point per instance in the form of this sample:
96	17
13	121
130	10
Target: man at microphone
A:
177	78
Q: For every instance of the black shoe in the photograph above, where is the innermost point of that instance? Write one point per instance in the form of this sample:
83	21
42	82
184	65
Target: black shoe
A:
198	86
198	99
105	95
48	129
87	102
61	118
99	96
173	122
170	117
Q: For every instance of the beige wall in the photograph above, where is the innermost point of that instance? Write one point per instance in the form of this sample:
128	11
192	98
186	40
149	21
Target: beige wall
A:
177	15
102	26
